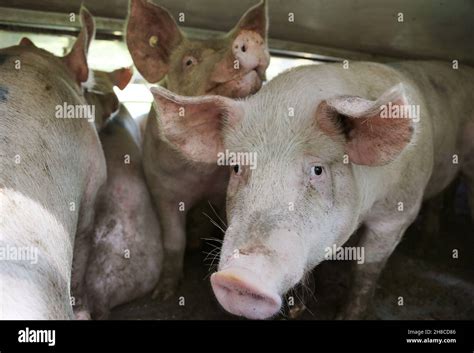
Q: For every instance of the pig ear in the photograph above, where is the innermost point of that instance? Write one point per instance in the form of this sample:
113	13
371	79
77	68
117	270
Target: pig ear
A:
152	35
194	125
121	77
26	42
372	136
76	60
255	20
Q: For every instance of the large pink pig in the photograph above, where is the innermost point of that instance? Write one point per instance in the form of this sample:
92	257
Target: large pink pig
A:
231	65
336	149
52	166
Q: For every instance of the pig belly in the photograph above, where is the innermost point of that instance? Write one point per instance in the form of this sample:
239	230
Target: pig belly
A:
126	255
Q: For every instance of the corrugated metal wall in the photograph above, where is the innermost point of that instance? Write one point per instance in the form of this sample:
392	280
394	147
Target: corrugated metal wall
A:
430	29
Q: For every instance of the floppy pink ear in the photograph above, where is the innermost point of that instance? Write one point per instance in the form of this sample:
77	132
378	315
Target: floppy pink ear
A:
152	35
121	77
255	20
372	137
194	125
26	42
76	60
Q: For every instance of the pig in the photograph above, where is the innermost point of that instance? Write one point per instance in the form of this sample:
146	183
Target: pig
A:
333	156
232	65
52	167
101	95
126	255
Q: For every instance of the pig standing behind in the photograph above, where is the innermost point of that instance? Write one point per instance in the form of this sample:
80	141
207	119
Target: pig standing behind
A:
337	163
232	65
51	169
126	256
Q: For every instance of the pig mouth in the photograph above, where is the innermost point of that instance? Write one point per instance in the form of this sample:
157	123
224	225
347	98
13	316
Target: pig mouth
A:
240	292
239	86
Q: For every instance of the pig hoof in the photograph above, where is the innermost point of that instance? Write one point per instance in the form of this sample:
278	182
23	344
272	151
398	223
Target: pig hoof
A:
165	289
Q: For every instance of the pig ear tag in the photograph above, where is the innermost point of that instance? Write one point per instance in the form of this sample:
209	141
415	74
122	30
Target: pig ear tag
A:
153	41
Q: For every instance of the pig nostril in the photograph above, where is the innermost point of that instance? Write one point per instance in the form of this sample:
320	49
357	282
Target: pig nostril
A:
244	48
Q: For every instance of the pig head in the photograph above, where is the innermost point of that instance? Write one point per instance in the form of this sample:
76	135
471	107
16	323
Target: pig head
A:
232	65
102	95
300	198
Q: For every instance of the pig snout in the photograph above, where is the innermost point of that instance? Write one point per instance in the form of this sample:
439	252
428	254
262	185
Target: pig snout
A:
243	293
242	70
250	51
257	267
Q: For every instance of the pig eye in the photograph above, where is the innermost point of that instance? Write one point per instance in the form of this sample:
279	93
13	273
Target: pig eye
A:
189	61
237	169
316	170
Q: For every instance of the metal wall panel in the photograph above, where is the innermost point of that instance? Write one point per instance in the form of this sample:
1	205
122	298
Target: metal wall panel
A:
441	29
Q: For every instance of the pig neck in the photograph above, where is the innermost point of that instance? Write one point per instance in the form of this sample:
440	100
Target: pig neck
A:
371	184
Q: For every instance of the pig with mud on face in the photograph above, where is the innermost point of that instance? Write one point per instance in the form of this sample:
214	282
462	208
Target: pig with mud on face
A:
359	143
51	168
232	65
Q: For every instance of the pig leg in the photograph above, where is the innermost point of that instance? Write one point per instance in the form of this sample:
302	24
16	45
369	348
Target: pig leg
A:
431	221
378	241
173	225
434	209
82	245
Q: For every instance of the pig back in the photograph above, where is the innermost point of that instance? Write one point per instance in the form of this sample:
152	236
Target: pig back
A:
449	110
49	167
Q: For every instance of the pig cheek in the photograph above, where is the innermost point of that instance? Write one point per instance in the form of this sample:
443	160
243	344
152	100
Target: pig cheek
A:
223	70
